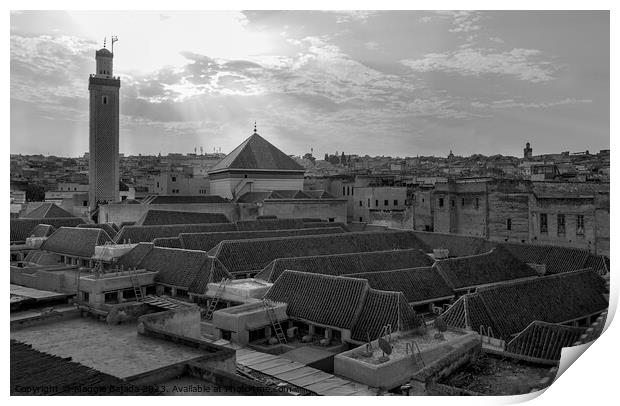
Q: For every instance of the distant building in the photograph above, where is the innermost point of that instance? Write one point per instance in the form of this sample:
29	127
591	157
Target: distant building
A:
255	166
380	205
104	132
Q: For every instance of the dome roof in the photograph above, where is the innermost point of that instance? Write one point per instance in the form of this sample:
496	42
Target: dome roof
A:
104	51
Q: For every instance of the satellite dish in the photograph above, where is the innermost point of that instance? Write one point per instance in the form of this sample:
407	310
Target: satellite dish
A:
385	346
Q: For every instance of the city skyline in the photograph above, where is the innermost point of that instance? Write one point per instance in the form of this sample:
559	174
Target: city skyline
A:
376	83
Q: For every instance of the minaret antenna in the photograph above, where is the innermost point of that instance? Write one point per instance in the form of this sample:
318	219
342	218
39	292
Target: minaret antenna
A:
114	39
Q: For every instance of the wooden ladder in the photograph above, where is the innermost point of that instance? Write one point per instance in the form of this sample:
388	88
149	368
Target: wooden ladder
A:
273	319
133	277
416	354
216	299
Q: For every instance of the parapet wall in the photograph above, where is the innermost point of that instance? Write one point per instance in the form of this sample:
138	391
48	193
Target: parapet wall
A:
184	321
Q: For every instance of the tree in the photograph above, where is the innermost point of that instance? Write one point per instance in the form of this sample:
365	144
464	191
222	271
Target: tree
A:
35	193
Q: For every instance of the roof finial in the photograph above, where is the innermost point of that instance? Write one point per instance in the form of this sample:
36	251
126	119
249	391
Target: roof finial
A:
104	40
254	127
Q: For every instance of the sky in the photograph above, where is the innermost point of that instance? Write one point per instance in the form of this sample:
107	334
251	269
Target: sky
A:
397	83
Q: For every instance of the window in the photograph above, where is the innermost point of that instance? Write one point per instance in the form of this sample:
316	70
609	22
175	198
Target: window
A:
395	202
543	223
104	100
331	219
376	203
85	296
361	220
111	297
361	203
85	203
344	190
347	191
508	224
182	293
441	202
386	202
174	178
580	225
452	203
477	203
167	290
462	202
368	203
422	200
561	225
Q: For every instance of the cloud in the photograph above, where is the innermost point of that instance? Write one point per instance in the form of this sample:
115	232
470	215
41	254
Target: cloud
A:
348	16
523	64
510	103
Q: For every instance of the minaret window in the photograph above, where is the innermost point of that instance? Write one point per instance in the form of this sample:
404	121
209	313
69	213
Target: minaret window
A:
104	99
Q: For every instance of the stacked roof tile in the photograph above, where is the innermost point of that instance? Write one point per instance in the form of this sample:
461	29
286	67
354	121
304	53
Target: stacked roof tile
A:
149	233
76	242
510	308
323	299
206	241
188	269
47	210
167	217
133	258
381	309
557	259
499	265
346	264
42	230
51	375
245	256
342	302
22	228
419	285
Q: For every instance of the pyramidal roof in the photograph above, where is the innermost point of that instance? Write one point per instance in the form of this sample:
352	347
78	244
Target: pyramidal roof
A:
256	153
48	210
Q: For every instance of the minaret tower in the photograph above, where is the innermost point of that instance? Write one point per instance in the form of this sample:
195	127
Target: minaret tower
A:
103	170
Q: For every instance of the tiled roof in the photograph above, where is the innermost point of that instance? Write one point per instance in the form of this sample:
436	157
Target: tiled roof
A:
169	242
189	269
256	153
277	224
496	266
73	241
57	376
510	308
206	241
342	302
185	199
255	254
149	233
168	217
42	230
133	258
47	210
323	299
22	228
104	226
345	264
557	259
417	284
257	197
42	257
381	308
457	245
253	197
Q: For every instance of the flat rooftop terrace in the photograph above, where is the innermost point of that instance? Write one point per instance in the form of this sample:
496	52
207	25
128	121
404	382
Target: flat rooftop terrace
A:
116	350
